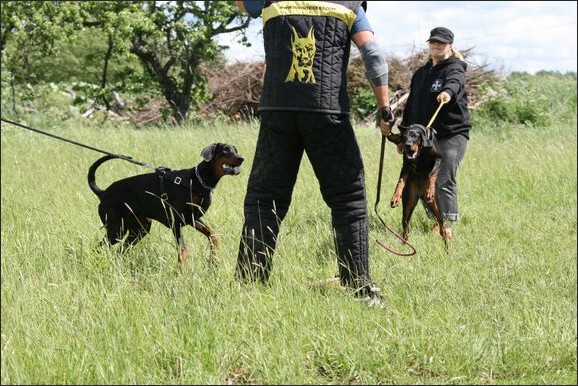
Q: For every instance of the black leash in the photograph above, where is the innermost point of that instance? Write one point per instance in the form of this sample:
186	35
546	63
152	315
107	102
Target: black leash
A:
121	156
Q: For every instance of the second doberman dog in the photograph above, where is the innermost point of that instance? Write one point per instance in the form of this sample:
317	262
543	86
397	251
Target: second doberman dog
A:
174	198
417	179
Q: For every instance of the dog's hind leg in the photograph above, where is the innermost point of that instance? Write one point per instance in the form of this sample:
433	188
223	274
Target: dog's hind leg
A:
122	226
113	224
444	230
409	202
130	227
137	228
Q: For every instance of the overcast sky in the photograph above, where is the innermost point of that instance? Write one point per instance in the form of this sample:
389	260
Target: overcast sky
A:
508	35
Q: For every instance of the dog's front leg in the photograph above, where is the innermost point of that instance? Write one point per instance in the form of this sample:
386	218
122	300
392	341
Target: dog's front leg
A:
396	198
213	240
430	192
183	252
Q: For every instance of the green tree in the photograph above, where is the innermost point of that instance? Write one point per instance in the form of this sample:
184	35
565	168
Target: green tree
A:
28	31
172	40
32	27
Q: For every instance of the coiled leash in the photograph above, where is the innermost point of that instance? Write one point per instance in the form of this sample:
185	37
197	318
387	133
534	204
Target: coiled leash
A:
381	157
120	156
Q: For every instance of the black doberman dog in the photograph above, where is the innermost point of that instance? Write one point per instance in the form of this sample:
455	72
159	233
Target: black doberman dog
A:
174	198
417	179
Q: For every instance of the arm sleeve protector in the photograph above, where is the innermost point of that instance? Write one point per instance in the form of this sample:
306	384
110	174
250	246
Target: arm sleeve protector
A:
375	65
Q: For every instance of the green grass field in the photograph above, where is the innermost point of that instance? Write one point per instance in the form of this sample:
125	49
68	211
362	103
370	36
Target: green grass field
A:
500	308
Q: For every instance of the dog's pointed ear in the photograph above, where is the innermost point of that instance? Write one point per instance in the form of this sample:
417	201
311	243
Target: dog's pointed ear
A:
209	152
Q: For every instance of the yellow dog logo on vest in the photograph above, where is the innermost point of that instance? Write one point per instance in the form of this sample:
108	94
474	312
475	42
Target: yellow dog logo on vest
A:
303	50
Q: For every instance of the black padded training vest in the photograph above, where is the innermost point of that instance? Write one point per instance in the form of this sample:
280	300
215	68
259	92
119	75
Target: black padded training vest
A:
307	46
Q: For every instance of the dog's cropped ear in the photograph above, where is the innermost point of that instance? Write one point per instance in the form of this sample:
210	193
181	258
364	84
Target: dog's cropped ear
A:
394	138
209	152
427	136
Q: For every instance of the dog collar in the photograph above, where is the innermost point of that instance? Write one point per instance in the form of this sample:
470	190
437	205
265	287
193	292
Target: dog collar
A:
201	180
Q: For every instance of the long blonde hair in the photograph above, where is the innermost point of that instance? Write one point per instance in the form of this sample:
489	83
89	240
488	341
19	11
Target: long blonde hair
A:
457	54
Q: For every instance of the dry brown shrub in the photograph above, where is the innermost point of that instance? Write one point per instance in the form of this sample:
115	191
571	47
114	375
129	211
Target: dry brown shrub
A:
236	88
235	91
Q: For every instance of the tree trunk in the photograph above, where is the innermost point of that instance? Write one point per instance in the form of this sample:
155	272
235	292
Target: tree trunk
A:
179	101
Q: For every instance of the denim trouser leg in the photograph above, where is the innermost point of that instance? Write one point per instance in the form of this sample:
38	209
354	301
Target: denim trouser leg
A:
453	150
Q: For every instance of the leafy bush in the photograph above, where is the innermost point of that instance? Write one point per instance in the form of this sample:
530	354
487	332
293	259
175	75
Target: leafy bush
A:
363	103
515	102
529	99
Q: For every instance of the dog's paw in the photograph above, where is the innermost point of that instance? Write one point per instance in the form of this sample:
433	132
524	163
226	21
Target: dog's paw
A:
395	201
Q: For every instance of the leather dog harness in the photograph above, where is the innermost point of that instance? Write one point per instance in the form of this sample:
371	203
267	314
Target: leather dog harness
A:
163	174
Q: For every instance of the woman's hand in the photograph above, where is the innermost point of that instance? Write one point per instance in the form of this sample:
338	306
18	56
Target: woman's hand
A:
443	97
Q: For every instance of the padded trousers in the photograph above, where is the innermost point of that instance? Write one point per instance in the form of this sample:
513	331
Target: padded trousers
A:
330	144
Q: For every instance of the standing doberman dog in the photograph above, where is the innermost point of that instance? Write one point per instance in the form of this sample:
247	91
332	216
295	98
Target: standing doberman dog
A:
417	179
174	198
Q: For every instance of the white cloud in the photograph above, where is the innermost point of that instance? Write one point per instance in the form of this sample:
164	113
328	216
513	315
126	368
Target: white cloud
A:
509	35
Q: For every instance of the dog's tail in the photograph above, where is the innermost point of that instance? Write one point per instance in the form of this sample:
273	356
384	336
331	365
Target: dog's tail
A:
92	171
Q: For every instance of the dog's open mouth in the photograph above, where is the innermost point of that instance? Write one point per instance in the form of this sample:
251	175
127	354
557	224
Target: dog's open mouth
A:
232	169
410	153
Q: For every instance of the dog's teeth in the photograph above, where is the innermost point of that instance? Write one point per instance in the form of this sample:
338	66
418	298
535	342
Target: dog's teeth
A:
411	155
227	167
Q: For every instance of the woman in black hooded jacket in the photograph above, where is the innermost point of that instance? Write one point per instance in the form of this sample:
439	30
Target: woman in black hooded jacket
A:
442	79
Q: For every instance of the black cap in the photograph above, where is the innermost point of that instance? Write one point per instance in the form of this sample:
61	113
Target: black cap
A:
441	34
